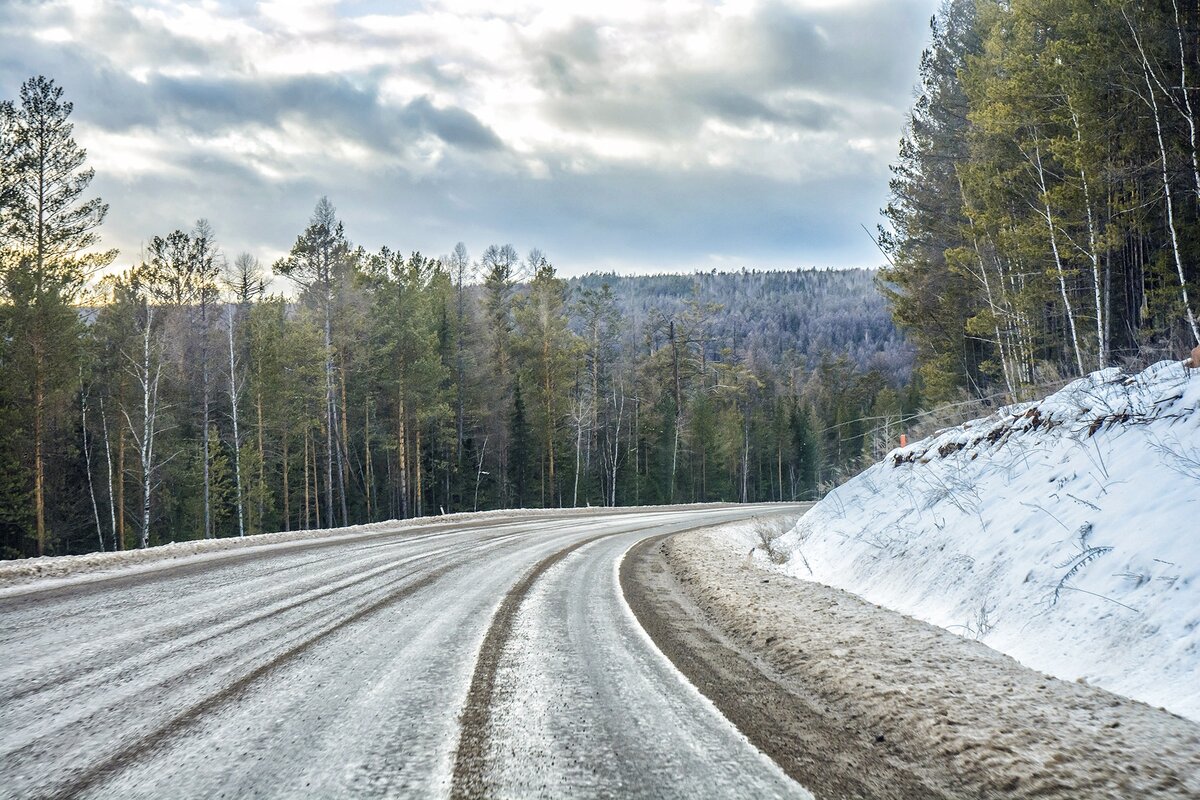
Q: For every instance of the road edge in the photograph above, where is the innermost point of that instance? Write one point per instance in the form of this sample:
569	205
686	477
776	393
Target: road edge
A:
814	694
792	730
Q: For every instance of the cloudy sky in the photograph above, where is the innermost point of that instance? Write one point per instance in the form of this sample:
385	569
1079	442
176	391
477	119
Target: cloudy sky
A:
612	134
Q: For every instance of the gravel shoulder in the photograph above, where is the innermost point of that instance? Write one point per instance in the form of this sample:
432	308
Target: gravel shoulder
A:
854	700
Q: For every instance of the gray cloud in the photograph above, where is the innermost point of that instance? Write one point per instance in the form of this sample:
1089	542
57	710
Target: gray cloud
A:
452	125
602	140
866	50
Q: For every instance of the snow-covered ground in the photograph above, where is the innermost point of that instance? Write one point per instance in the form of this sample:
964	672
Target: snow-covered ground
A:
1063	532
50	571
61	570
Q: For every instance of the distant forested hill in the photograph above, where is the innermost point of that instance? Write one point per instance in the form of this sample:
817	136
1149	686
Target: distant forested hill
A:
785	317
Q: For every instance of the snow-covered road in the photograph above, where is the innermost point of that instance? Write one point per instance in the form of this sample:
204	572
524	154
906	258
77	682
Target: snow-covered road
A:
483	658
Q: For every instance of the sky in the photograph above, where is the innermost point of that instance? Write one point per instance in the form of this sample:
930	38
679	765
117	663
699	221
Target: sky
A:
611	134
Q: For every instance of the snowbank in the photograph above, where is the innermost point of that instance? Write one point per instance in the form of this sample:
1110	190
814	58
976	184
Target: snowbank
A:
1065	533
63	568
55	571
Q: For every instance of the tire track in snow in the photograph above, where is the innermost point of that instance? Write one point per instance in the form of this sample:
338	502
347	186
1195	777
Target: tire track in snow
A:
129	650
467	780
148	743
127	647
264	650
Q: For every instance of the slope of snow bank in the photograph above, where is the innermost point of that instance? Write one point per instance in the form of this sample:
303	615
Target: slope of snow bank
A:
1064	532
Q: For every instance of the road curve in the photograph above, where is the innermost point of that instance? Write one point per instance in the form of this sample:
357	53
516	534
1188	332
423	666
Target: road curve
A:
477	659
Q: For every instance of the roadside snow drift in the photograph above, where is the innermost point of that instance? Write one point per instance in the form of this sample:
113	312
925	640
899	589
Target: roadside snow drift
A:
1065	533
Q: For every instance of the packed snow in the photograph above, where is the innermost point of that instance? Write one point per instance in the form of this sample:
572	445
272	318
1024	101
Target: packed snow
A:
1063	532
54	571
58	571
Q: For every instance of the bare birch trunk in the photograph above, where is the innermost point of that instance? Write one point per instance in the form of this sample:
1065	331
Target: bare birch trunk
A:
205	402
344	448
993	306
112	510
368	476
1152	101
330	422
237	439
145	442
548	390
1058	264
616	452
1093	249
1187	99
87	460
579	412
746	454
479	471
121	486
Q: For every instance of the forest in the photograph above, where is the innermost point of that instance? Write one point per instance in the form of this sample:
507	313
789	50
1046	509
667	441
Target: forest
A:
197	394
1044	219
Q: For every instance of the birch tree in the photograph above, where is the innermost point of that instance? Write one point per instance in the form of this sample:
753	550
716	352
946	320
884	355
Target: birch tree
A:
145	365
1150	97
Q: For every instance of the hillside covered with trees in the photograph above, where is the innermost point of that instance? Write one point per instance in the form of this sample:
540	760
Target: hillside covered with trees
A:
787	317
178	398
1045	212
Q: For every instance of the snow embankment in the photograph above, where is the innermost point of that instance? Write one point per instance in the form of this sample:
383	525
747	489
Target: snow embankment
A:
1064	532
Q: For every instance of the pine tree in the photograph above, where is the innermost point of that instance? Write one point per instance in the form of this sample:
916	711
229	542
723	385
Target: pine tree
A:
47	231
317	263
520	437
498	265
548	349
929	298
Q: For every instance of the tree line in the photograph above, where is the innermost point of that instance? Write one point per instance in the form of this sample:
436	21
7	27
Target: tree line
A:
1045	205
183	397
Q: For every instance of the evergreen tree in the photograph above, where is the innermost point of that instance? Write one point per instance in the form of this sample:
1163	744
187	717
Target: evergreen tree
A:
926	211
318	264
548	349
520	459
47	231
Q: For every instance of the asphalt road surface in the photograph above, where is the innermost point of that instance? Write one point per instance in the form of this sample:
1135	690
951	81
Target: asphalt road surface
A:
469	659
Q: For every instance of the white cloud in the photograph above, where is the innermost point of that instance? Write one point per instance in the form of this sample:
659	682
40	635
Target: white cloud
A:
442	105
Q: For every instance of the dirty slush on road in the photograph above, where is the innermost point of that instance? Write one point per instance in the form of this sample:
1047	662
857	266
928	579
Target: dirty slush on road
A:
853	700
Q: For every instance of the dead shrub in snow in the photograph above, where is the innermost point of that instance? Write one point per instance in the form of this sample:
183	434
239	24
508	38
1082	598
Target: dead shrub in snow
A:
766	531
1087	553
980	626
952	486
1179	457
